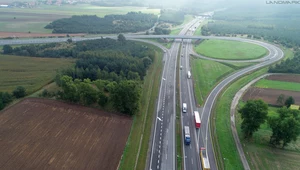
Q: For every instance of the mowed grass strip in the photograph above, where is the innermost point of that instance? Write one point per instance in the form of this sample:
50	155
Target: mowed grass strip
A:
224	140
261	155
29	72
230	50
143	121
280	85
206	74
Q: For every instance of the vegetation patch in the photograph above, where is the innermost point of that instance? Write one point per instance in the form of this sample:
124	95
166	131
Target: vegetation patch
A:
280	85
230	50
29	72
206	74
110	24
229	154
172	16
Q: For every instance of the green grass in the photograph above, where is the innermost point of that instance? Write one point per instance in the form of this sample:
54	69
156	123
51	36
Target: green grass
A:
198	30
280	85
262	156
165	44
30	72
187	19
175	31
238	65
206	74
143	121
178	120
223	136
230	50
28	19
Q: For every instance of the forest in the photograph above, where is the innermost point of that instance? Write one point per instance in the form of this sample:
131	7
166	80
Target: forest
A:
109	24
106	70
288	66
172	16
278	24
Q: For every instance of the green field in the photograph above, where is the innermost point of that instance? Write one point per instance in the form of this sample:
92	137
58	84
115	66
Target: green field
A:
175	31
280	85
206	74
230	50
228	155
143	121
35	19
30	72
262	156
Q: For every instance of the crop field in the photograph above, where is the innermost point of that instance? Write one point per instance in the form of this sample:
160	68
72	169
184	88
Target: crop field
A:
285	77
280	85
35	19
230	50
269	95
48	134
29	72
206	74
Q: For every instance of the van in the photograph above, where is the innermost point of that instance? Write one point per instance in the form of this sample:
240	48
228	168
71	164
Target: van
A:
184	107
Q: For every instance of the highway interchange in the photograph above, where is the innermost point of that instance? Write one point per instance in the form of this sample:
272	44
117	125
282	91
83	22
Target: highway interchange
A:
163	152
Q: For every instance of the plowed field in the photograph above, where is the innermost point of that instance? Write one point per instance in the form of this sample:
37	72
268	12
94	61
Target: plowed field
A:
269	95
48	134
289	78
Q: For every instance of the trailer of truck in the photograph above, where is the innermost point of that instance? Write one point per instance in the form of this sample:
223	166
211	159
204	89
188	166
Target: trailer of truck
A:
187	136
204	159
197	119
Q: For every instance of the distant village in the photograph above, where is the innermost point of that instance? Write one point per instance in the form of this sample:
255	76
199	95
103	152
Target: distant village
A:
32	4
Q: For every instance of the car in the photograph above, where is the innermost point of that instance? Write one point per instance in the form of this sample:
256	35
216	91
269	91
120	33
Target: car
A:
181	55
180	67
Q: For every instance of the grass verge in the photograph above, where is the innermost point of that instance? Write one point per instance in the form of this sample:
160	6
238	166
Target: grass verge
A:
230	50
222	135
178	118
206	74
143	121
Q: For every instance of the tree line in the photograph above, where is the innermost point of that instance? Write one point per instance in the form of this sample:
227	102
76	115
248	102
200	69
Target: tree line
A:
285	125
110	24
287	66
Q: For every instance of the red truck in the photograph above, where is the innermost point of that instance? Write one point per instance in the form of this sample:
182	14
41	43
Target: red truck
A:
197	119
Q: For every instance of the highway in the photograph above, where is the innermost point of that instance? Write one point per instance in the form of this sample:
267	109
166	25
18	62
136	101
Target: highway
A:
163	154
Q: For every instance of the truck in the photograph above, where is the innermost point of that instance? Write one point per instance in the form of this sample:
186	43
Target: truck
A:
187	136
184	107
197	119
189	74
204	159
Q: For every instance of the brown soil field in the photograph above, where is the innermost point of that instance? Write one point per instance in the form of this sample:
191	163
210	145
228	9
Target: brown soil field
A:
269	95
289	78
47	134
31	35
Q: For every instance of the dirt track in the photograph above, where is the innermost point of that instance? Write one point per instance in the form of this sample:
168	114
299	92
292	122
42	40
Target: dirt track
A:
47	134
270	95
289	78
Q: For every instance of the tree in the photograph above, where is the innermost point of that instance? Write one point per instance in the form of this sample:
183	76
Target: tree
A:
280	100
102	99
254	113
285	126
19	92
121	38
7	49
126	96
69	40
88	95
70	91
289	101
